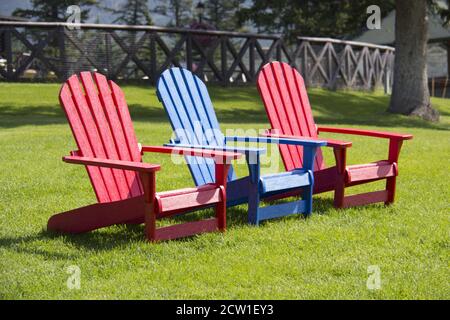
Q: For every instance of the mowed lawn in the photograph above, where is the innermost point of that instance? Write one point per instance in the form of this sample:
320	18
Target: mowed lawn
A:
324	257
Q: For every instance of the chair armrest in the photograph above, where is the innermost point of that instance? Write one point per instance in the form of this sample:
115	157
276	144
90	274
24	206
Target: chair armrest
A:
243	150
217	155
309	146
302	141
330	142
115	164
369	133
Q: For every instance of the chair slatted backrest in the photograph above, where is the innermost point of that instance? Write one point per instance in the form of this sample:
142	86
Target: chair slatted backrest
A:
101	124
191	114
284	95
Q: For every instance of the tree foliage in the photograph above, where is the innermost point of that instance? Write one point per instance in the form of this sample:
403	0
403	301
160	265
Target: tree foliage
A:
133	12
54	10
223	14
179	12
441	7
328	18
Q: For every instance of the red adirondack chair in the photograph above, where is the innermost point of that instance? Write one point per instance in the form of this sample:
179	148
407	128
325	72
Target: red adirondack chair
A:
125	186
283	92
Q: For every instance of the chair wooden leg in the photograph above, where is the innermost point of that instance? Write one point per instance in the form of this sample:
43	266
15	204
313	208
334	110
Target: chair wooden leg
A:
148	182
221	173
221	211
390	187
339	194
307	195
339	191
254	197
253	205
395	146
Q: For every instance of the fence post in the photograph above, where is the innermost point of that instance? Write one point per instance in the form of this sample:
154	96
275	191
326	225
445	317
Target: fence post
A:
278	50
8	52
330	49
189	51
223	59
251	57
153	66
108	54
305	63
63	72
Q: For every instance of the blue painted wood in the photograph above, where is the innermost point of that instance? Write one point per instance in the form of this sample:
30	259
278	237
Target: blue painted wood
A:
308	191
281	210
188	105
286	180
238	191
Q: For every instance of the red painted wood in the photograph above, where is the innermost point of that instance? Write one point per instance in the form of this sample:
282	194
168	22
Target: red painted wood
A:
117	164
148	180
98	215
93	136
326	179
394	150
117	133
395	146
220	156
369	133
95	174
186	229
271	98
171	193
370	171
221	209
104	131
286	110
221	173
390	187
124	117
283	92
340	155
189	200
365	198
125	120
330	142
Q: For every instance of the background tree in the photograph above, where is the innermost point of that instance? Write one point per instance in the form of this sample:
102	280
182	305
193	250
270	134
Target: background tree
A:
410	94
179	12
223	14
294	18
53	10
132	12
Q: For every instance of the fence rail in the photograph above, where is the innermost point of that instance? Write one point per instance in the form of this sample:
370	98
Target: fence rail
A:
336	63
55	50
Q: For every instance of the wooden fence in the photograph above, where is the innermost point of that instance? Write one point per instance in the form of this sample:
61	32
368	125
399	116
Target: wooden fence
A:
43	51
336	63
439	87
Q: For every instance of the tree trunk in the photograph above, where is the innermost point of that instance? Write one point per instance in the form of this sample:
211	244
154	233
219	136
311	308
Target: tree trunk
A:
410	95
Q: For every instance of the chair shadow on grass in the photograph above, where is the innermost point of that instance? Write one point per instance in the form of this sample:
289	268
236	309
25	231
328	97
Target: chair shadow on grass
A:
122	236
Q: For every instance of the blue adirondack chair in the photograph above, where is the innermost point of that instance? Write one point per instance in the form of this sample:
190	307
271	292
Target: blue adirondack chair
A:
188	105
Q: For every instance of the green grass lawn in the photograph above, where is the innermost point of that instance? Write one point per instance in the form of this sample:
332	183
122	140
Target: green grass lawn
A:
326	256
